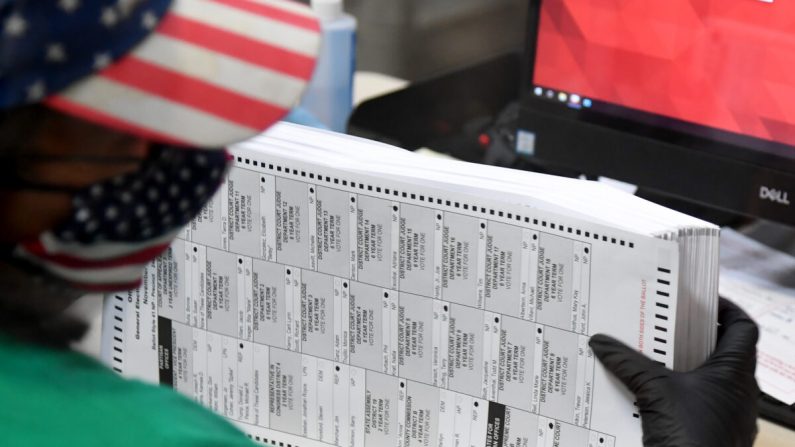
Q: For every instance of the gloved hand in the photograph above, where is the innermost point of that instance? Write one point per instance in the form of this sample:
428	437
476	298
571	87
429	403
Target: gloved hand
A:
713	405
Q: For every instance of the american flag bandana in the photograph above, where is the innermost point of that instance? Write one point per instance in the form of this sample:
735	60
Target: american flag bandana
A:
205	73
184	73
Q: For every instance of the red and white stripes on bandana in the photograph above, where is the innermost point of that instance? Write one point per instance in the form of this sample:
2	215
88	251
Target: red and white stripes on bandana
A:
212	72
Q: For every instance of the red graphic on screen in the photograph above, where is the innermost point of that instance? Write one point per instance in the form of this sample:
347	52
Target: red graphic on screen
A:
727	64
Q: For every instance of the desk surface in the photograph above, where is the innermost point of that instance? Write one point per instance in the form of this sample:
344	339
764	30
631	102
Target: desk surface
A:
772	435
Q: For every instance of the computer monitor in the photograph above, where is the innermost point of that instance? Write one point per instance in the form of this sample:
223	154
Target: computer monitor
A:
692	98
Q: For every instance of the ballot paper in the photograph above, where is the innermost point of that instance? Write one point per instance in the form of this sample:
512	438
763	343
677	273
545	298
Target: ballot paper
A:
761	281
341	292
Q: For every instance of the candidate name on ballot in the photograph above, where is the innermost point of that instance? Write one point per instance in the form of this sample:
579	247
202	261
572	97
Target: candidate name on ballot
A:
313	305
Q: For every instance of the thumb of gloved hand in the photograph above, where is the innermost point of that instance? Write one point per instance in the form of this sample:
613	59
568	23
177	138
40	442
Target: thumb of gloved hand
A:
633	369
713	405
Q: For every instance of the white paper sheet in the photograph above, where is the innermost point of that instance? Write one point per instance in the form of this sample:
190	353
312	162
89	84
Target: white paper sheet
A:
751	276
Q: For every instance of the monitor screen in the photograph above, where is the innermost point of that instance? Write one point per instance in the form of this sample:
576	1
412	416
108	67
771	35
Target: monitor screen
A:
716	68
691	97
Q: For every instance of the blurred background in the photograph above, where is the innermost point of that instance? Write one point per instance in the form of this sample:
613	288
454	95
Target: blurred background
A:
418	39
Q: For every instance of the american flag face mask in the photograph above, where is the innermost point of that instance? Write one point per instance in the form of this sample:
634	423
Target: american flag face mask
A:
118	225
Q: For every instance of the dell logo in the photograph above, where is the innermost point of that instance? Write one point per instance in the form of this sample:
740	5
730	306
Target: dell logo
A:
774	195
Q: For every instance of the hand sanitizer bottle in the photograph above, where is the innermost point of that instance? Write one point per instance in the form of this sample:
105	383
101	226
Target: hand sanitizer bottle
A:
329	97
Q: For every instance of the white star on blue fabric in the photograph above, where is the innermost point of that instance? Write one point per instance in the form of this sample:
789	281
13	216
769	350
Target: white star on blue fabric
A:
109	17
149	20
102	60
36	91
55	52
125	7
15	26
69	5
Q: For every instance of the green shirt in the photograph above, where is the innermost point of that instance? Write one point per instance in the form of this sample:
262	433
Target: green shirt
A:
63	398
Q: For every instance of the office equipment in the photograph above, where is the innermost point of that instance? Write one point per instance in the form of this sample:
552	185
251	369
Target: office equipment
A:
680	97
339	291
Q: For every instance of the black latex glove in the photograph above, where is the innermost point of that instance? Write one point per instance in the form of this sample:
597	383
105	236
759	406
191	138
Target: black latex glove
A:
713	405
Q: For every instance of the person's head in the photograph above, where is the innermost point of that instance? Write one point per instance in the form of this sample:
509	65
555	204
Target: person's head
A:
114	115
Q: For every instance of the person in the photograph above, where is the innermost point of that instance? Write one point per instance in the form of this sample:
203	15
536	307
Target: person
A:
113	119
109	111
